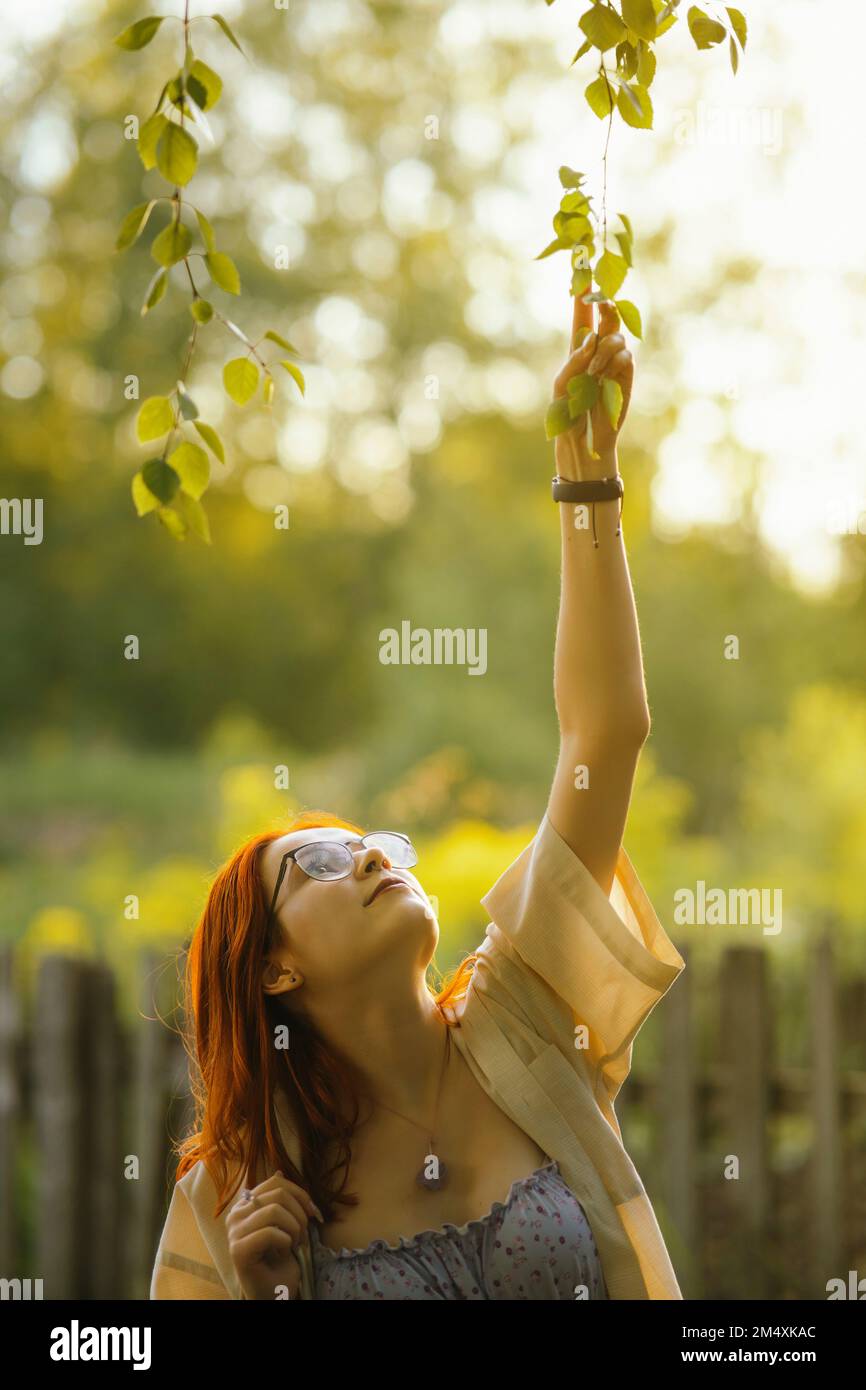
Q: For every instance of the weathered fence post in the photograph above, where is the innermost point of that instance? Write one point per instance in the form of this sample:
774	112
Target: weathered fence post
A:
10	1106
60	1085
746	1052
105	1155
826	1168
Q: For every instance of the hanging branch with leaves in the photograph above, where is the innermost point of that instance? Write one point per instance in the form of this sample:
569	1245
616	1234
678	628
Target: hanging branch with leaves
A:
629	29
173	483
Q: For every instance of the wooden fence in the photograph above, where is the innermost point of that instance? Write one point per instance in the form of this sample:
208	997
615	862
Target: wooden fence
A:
757	1173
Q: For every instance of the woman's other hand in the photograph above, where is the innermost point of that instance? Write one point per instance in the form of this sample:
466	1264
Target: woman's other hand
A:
265	1234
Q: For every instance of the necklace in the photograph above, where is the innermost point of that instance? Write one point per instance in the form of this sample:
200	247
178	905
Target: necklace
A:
433	1174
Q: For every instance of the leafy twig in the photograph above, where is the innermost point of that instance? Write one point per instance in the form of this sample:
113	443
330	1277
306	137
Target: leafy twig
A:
172	484
631	28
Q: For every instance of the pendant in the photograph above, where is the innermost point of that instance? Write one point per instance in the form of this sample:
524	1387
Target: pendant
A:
433	1175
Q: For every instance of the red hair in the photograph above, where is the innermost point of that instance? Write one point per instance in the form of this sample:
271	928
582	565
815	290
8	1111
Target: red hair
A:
229	1035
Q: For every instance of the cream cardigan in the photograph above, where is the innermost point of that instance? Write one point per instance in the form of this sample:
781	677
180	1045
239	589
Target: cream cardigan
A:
564	979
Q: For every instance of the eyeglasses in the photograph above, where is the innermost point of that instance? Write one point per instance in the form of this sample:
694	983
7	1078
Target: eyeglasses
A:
327	860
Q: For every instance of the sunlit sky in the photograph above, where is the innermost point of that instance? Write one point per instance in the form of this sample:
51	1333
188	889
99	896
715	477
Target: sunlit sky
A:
765	167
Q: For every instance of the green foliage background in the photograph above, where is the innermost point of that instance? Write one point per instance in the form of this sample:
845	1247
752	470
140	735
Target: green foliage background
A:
122	777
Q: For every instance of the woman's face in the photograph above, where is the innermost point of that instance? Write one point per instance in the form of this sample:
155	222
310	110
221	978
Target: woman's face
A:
329	930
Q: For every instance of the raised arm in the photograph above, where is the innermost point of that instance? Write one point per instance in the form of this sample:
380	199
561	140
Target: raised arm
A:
599	686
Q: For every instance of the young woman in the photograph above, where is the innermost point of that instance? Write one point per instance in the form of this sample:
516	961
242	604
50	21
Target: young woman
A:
361	1137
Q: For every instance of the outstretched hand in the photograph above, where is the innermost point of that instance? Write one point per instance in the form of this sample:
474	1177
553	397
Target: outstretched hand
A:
602	355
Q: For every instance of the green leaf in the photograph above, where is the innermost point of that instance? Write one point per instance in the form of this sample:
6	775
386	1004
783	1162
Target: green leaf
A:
208	235
574	202
584	48
295	373
191	464
142	496
635	106
646	66
735	56
268	389
626	59
201	310
196	91
581	279
194	515
666	18
211	439
160	99
139	34
640	17
160	479
241	378
570	178
627	224
630	315
611	399
188	407
738	22
557	419
227	31
610	272
154	419
572	228
172	244
148	138
155	290
555	245
706	32
203	85
134	224
603	27
175	90
223	271
625	248
588	439
628	92
275	337
600	98
176	154
583	392
172	522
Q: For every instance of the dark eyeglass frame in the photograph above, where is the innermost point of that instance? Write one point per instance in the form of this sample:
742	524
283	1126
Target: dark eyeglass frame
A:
292	854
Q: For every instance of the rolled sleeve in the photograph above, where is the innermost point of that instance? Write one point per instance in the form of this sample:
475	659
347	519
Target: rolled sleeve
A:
608	958
184	1268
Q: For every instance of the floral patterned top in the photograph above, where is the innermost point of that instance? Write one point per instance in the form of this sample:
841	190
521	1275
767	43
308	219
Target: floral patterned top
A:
537	1244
